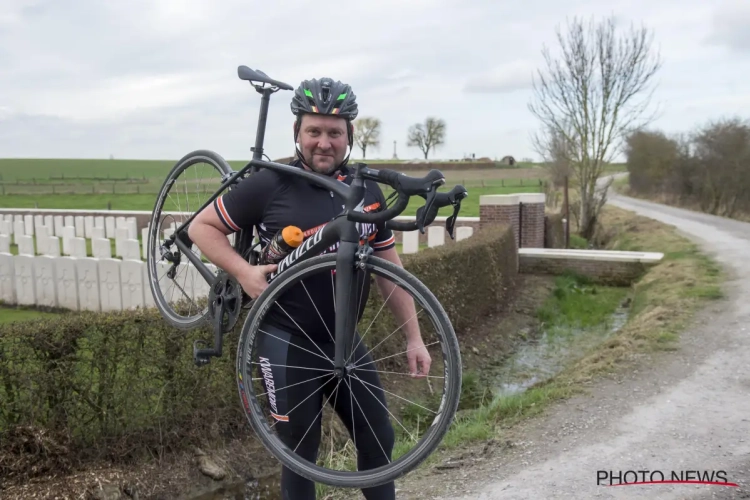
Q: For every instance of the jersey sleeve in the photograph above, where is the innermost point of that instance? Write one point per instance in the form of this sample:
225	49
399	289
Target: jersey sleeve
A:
243	206
384	239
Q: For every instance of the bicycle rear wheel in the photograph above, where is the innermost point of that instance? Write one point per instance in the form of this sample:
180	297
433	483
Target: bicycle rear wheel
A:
380	376
179	291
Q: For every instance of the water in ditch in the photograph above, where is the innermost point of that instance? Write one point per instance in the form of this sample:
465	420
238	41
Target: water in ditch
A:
540	359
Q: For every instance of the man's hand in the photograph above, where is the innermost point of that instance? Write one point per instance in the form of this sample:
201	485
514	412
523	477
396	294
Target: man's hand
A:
418	357
254	280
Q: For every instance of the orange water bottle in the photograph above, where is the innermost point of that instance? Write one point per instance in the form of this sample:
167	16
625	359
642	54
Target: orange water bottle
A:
281	244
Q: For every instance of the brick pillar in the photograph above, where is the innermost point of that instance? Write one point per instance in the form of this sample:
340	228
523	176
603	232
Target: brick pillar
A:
532	219
499	209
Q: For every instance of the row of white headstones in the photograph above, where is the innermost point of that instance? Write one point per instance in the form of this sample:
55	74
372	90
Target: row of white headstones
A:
66	277
47	273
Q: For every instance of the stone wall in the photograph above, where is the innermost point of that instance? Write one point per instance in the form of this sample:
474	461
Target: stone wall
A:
601	266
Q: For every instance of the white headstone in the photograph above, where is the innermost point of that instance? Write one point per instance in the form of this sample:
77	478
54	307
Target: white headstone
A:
131	250
23	270
131	276
132	228
6	228
25	245
121	234
144	242
4	243
98	233
70	221
110	287
99	221
42	232
59	224
435	236
38	222
464	232
109	226
87	275
88	226
28	223
101	248
49	222
78	247
80	226
45	282
19	229
7	278
67	283
410	242
120	222
69	232
52	247
148	297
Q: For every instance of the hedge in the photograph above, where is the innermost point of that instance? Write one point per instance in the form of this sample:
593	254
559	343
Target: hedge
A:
119	385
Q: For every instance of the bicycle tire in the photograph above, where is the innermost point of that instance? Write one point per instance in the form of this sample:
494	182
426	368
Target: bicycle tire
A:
199	156
406	463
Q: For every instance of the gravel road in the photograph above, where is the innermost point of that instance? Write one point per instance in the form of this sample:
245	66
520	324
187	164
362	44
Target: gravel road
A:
687	410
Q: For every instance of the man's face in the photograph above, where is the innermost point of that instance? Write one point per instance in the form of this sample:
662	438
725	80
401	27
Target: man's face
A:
323	141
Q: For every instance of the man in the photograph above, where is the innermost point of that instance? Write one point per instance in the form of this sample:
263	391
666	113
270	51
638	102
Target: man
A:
323	134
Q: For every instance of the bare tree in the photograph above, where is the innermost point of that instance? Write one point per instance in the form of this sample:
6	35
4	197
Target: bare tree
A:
427	136
589	97
367	133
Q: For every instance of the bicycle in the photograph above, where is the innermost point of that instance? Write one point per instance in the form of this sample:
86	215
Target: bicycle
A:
225	299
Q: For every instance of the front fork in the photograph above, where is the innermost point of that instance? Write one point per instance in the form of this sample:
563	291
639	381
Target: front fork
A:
351	258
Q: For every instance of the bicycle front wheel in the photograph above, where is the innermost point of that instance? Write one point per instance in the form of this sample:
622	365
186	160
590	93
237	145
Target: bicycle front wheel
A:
377	422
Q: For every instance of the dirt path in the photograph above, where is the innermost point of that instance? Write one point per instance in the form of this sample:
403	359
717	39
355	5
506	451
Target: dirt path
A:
682	410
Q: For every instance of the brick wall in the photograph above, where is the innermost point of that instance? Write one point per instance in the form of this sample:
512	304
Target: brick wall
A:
531	208
525	209
613	273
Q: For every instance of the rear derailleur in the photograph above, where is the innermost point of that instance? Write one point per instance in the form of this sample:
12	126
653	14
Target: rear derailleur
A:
224	306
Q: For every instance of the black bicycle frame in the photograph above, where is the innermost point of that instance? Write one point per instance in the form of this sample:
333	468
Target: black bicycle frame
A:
341	230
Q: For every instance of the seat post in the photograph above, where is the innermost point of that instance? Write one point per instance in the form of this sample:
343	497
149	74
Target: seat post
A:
261	131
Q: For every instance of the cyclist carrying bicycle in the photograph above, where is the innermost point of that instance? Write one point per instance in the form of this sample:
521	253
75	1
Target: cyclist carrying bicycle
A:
297	329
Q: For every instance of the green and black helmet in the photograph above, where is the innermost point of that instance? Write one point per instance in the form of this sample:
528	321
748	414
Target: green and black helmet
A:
325	96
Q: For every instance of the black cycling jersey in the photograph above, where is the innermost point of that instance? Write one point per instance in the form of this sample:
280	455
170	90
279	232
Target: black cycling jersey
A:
270	201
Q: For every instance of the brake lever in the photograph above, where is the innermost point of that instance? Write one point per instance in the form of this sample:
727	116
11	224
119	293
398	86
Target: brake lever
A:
450	222
426	209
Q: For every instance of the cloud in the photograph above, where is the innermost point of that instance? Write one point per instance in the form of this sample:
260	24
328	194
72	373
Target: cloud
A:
145	79
507	78
729	26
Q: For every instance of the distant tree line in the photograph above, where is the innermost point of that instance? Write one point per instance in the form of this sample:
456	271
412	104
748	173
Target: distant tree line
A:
708	168
426	136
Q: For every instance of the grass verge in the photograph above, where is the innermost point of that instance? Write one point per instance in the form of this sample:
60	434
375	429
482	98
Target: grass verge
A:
663	302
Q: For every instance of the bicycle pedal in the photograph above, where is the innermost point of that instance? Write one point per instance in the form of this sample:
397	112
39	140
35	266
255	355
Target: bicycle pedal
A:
199	358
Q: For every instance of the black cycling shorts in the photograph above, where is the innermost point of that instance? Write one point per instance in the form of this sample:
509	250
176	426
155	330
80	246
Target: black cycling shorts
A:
298	380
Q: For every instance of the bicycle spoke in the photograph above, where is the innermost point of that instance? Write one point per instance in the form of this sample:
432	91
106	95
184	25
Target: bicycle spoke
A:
368	422
306	335
293	345
308	397
316	416
395	373
370	326
291	385
395	395
389	336
316	310
397	354
386	409
296	367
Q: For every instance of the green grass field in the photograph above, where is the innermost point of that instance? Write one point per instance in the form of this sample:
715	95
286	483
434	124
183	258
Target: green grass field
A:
133	185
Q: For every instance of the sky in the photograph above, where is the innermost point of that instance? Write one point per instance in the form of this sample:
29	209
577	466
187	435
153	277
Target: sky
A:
157	79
